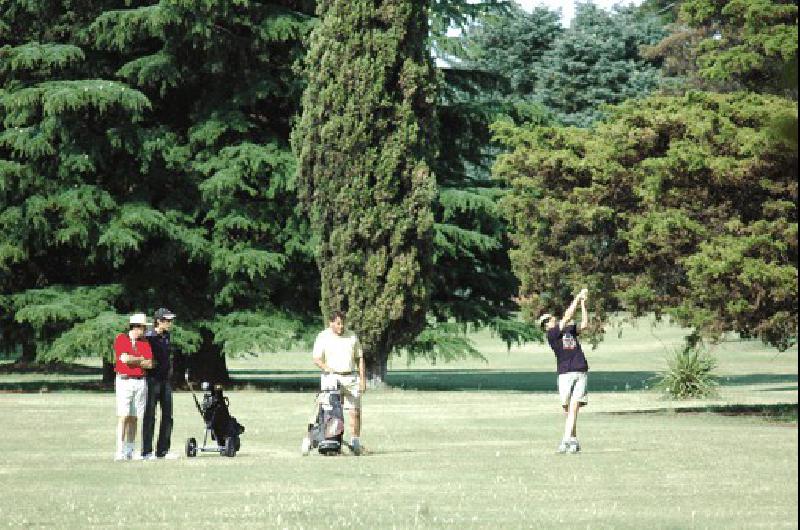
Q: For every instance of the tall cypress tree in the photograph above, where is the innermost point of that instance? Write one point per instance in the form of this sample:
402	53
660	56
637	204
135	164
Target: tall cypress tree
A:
363	144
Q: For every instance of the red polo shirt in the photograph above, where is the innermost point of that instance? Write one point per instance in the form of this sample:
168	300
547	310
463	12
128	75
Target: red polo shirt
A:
123	344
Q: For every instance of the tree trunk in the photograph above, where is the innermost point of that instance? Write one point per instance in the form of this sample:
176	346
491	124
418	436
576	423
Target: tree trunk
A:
377	367
208	364
108	372
28	353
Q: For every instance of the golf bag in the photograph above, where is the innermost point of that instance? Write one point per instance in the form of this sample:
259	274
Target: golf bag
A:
326	429
220	425
218	418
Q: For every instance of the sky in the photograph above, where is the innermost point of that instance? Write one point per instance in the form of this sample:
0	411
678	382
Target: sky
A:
568	6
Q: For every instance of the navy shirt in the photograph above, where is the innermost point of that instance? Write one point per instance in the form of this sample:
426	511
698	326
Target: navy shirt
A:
159	343
569	355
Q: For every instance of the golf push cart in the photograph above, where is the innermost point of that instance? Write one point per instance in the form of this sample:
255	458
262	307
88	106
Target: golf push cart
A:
326	425
220	425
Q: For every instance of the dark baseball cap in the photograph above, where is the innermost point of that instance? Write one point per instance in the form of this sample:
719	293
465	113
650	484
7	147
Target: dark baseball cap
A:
164	314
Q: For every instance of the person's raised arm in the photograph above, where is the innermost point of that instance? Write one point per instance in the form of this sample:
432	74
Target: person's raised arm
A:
568	314
584	313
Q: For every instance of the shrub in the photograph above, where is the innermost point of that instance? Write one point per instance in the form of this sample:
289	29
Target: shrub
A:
688	374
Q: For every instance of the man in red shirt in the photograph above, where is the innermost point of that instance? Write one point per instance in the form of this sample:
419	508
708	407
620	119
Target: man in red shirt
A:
133	356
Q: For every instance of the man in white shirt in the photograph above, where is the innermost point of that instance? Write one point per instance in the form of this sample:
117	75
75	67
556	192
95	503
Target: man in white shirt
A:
338	354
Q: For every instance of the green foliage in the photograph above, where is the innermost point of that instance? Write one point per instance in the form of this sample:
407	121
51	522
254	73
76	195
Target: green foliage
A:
44	59
146	148
363	144
689	375
733	45
512	43
597	62
250	333
57	305
745	40
442	341
89	338
678	205
53	312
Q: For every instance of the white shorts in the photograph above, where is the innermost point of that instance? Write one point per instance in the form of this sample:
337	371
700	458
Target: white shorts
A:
131	396
572	388
348	384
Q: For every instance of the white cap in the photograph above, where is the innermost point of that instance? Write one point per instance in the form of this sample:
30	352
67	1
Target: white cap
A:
139	319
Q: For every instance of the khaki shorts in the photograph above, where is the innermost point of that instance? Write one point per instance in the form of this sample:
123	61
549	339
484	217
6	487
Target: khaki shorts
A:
131	396
348	384
572	388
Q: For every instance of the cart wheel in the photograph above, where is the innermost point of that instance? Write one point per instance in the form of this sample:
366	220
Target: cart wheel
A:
237	443
191	447
230	447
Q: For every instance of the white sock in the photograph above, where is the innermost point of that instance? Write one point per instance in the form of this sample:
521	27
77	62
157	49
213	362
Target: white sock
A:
129	448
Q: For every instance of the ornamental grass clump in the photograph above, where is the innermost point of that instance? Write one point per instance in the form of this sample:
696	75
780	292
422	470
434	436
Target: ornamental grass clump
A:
688	374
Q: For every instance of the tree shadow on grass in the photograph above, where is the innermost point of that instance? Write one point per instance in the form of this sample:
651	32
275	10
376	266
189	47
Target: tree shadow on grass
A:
455	380
756	379
422	380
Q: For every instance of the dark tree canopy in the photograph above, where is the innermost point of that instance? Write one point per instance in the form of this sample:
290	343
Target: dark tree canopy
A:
145	161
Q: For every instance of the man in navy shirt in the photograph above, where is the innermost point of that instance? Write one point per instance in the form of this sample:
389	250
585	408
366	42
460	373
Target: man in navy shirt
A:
572	366
159	389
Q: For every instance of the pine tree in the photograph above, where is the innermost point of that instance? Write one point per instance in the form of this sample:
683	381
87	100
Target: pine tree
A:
64	172
597	62
363	145
159	164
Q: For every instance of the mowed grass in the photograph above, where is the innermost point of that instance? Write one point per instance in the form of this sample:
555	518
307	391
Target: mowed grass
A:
465	445
435	460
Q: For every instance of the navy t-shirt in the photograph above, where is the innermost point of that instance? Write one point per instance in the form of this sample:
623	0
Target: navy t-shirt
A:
160	346
569	355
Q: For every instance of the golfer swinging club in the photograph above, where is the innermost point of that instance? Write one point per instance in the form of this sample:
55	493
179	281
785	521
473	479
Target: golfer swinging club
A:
572	366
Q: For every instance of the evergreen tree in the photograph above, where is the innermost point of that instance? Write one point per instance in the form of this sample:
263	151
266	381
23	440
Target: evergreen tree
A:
363	144
511	44
597	62
170	176
685	206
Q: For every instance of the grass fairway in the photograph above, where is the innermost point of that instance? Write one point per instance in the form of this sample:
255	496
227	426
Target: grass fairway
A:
436	459
452	446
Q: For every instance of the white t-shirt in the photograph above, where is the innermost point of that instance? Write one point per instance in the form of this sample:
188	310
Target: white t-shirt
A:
340	352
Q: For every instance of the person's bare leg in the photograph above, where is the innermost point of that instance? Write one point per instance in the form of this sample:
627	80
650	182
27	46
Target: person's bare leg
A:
355	422
572	420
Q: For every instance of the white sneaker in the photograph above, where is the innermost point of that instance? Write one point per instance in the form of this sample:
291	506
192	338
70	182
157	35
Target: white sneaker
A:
563	447
355	446
136	456
170	456
305	446
119	457
574	446
149	457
